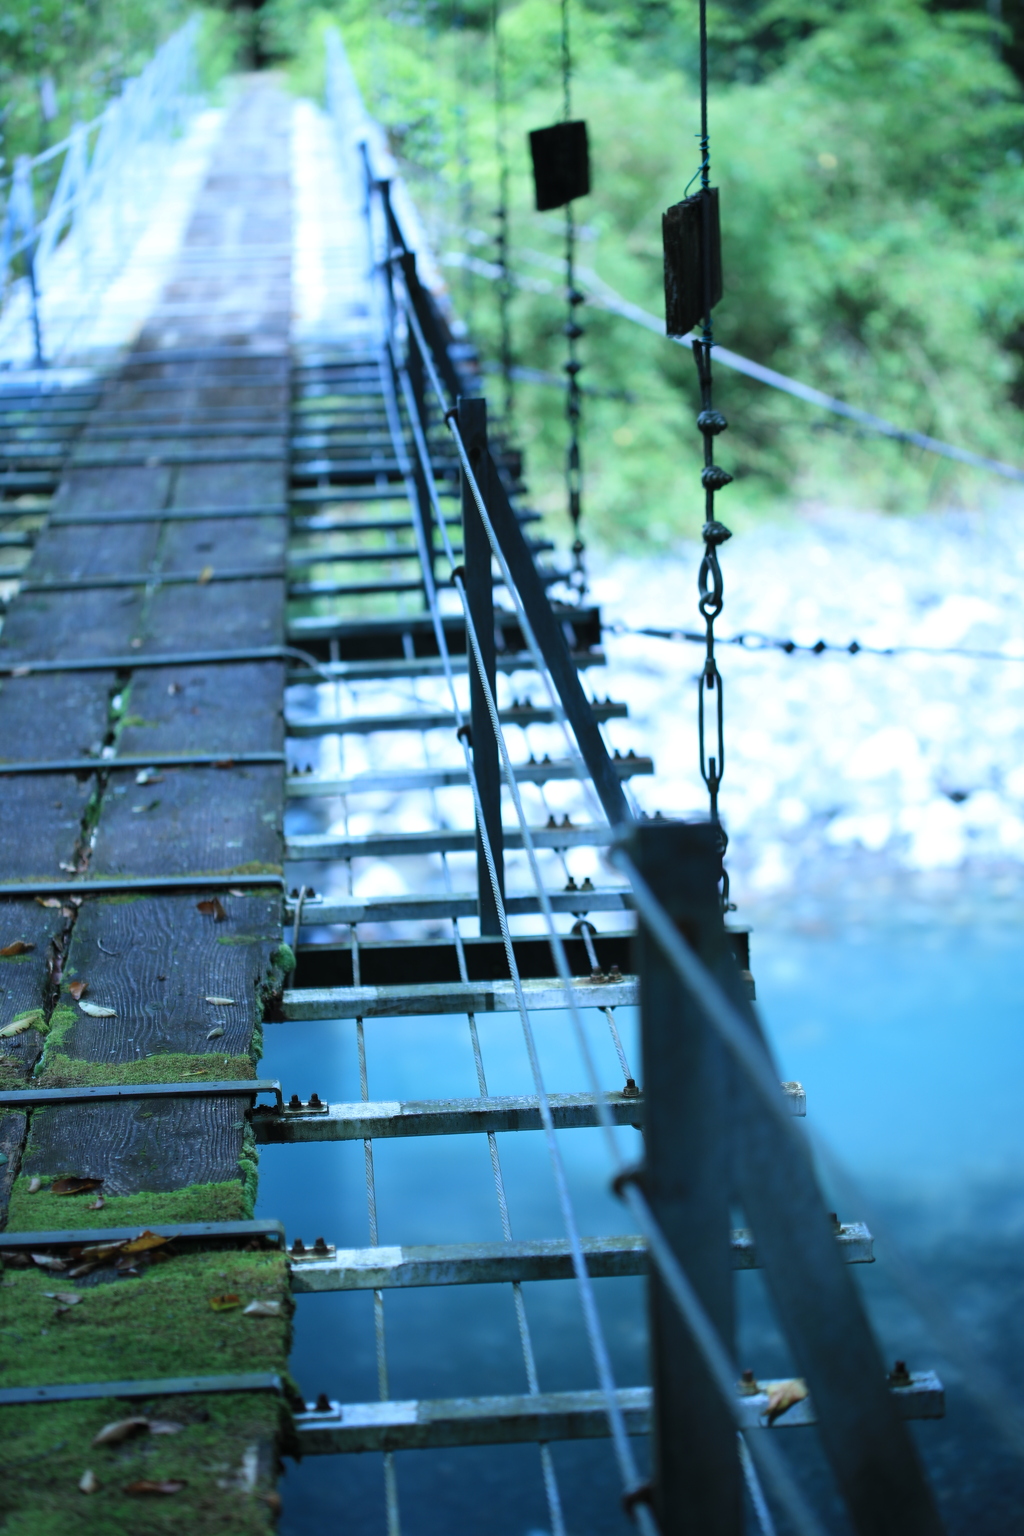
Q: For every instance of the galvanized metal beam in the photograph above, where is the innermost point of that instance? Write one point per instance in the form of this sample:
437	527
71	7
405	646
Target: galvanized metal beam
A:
544	772
404	1000
327	910
435	720
386	1120
379	845
394	1268
425	1424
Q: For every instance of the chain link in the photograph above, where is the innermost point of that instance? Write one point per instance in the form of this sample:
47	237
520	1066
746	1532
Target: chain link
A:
710	585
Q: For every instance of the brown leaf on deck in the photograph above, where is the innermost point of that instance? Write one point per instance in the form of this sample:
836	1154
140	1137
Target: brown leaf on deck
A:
48	901
144	1242
18	947
78	989
212	908
225	1303
146	1485
783	1395
74	1186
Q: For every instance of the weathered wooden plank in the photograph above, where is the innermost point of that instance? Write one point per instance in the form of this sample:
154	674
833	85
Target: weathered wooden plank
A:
92	490
64	553
241	543
23	980
221	709
153	1146
155	962
41	823
12	1137
45	626
195	821
178	617
53	714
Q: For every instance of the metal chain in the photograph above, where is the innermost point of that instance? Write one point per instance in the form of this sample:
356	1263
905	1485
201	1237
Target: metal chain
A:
573	331
710	422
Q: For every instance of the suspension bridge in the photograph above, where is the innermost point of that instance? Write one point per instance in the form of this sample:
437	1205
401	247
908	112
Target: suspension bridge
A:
294	733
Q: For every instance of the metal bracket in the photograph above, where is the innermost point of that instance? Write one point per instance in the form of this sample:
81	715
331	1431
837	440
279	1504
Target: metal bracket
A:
161	760
194	1231
33	888
160	1386
37	1098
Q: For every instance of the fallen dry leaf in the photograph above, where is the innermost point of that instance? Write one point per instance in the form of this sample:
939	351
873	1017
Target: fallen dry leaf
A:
48	901
88	1482
46	1261
263	1309
97	1204
98	1011
148	776
232	892
19	947
78	989
222	1002
102	1250
215	1034
144	1242
145	1485
164	1427
204	575
74	1186
224	762
783	1395
21	671
121	1429
226	1303
34	1186
68	1298
18	1026
212	908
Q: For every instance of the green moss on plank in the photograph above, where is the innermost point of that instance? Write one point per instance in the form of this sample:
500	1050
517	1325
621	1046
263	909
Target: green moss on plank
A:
44	1452
157	1324
61	1071
283	958
43	1212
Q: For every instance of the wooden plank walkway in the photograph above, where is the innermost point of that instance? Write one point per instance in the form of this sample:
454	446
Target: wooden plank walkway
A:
195	420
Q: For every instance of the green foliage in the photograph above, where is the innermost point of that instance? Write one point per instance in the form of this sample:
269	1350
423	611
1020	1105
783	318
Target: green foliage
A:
87	49
871	174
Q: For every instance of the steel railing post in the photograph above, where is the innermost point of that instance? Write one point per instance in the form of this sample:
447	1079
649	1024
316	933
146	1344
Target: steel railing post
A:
479	591
687	1177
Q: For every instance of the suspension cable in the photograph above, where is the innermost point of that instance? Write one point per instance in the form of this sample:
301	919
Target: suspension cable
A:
573	331
505	285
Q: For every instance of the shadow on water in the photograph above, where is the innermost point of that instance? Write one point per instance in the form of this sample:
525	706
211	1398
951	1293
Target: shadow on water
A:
910	1044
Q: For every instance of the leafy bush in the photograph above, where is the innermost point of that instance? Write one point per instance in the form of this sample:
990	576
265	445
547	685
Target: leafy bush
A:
870	162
